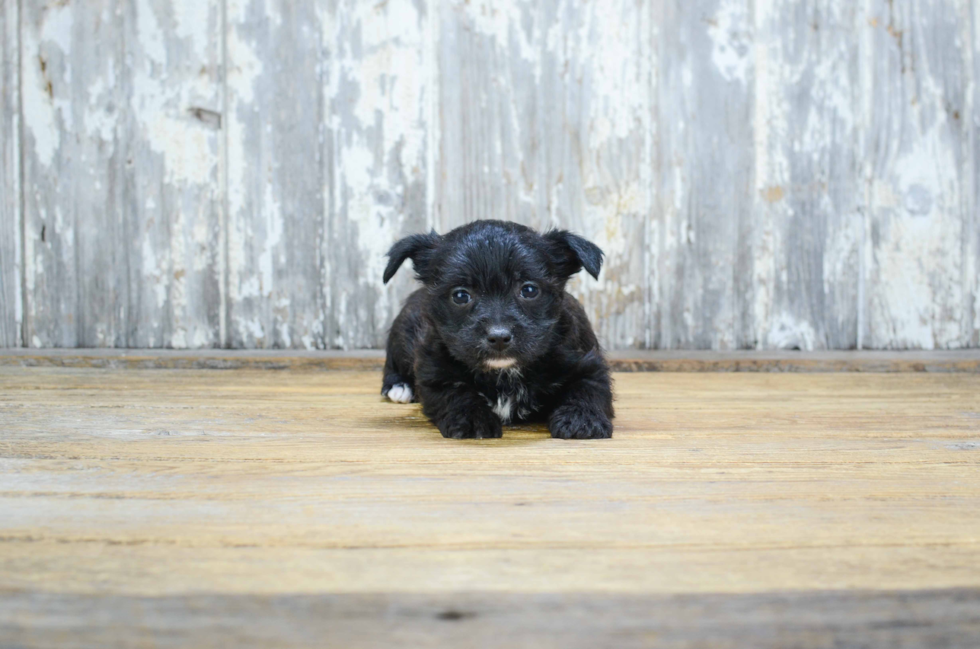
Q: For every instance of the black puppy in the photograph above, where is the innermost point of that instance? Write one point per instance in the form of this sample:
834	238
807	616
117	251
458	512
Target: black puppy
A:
494	338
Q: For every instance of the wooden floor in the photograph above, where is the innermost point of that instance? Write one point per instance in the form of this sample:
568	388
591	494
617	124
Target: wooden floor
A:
292	509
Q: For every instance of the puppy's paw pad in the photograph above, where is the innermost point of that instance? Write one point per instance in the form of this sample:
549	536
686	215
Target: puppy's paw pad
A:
572	423
400	393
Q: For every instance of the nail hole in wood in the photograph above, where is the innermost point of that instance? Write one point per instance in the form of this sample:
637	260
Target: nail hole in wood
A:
209	118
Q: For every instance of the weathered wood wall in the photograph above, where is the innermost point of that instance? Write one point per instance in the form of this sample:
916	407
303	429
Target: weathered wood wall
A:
761	174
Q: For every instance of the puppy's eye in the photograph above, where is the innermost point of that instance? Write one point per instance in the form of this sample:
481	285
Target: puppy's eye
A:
461	297
529	291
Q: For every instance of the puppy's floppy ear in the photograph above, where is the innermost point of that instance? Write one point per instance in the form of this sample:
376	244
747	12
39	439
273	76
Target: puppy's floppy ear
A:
418	248
571	253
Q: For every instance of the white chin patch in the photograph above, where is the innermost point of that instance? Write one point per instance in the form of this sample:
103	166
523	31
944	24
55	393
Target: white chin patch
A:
501	363
400	393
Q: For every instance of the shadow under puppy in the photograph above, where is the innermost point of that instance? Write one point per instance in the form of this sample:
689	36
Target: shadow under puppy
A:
494	338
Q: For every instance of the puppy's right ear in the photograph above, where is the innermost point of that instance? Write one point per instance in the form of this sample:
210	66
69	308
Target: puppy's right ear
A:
418	248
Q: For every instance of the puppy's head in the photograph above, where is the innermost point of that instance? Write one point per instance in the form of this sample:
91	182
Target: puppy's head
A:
495	288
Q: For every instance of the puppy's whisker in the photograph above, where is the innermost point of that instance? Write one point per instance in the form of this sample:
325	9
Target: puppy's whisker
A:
508	375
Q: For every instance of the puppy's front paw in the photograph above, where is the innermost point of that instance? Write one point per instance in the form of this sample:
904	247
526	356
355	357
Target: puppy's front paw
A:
477	424
572	422
400	393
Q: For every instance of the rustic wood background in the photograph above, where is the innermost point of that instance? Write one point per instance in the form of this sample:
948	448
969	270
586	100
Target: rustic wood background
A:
229	173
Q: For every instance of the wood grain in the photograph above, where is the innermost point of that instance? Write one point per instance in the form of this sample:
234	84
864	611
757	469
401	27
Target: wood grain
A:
844	502
11	265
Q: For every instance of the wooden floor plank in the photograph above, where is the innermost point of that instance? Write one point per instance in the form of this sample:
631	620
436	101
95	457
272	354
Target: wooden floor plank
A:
896	620
180	491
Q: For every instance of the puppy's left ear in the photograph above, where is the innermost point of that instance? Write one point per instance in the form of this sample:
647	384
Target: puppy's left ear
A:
571	253
418	248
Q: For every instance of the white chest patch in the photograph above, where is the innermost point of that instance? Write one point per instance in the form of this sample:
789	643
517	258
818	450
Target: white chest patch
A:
504	408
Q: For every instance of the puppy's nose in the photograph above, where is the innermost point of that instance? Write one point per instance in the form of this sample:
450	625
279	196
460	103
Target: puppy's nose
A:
499	337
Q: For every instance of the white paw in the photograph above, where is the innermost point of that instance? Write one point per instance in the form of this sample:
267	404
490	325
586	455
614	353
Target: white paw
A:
400	393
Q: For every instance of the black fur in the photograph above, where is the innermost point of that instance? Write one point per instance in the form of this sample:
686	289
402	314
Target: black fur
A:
441	349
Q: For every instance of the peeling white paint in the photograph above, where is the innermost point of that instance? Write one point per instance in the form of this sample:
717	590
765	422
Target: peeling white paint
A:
786	332
189	19
919	304
251	329
150	35
617	95
377	86
163	108
917	277
501	21
730	31
43	106
242	75
245	70
245	282
770	167
98	121
11	232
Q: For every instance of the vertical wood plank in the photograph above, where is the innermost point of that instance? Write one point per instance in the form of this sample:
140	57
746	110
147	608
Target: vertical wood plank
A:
972	239
378	89
545	110
73	101
703	254
11	298
171	194
275	174
490	61
920	157
595	98
809	194
121	211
